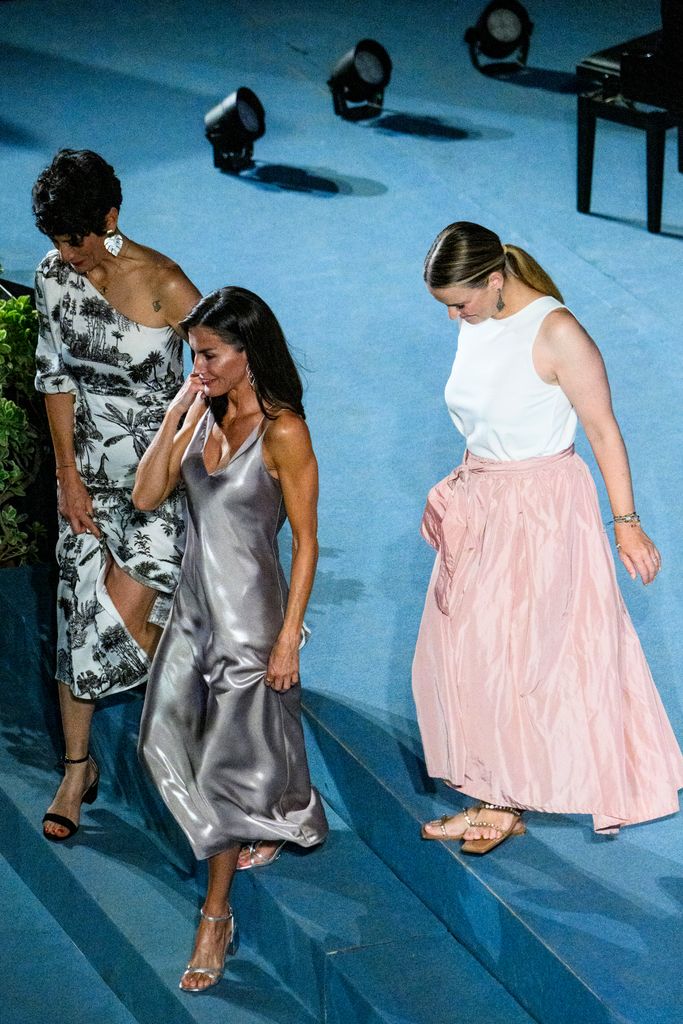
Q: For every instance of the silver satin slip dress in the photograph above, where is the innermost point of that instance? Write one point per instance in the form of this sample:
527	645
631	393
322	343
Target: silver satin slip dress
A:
225	751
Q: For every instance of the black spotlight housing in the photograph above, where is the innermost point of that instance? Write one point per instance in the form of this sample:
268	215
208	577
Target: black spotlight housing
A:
232	127
503	28
359	79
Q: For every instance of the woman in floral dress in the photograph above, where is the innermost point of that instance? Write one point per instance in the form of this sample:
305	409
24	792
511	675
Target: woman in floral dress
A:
109	360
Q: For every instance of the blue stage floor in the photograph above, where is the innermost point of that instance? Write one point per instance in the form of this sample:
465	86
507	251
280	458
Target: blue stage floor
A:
331	227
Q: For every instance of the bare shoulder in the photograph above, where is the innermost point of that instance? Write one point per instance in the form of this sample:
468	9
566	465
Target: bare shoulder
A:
171	291
561	334
163	273
152	259
170	279
177	292
287	435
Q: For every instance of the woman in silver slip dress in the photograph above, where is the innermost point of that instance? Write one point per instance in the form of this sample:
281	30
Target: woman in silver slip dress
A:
221	733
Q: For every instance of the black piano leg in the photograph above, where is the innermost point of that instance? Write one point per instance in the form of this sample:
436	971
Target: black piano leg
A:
585	149
656	138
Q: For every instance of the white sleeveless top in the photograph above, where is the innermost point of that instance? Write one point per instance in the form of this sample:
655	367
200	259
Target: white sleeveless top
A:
494	395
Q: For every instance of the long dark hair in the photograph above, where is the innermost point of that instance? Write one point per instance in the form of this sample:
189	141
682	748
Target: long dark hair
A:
74	195
242	319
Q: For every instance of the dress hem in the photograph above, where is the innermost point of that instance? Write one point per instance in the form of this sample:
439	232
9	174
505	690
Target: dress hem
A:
618	819
302	842
112	692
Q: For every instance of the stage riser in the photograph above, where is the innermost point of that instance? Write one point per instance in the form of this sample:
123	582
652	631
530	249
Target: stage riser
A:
36	948
532	913
318	910
442	879
371	773
80	914
330	926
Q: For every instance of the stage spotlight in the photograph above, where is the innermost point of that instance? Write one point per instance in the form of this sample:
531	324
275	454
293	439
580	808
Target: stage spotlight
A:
360	78
503	28
232	127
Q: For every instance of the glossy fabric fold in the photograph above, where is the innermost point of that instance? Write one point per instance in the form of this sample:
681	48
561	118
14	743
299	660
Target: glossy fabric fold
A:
225	751
530	683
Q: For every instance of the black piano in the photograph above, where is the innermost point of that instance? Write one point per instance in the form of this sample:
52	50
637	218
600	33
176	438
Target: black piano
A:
638	83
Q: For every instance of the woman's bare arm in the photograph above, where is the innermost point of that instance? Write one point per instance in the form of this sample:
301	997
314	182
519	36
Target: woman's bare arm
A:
158	471
73	500
566	354
287	446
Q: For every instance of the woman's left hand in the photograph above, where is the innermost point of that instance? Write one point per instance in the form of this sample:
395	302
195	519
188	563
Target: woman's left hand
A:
283	664
637	552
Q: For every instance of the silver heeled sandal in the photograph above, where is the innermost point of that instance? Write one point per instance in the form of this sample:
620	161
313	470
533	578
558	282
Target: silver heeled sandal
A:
257	859
214	973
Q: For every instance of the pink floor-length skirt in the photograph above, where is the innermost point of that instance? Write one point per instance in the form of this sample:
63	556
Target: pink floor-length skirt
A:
531	686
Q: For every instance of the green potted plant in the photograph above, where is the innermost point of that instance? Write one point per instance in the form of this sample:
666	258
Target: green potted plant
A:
23	431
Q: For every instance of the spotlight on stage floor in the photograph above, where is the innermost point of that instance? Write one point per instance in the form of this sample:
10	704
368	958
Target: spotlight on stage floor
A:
503	29
232	127
359	79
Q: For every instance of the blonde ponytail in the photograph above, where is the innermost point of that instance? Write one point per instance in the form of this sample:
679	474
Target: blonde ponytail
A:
520	264
465	254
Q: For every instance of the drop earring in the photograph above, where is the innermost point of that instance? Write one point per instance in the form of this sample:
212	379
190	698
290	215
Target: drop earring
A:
113	242
251	378
500	305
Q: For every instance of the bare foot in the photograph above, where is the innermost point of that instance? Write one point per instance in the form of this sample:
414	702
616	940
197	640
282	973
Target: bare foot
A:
208	956
67	802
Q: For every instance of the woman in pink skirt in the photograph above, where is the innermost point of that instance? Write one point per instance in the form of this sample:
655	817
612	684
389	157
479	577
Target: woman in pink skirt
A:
531	687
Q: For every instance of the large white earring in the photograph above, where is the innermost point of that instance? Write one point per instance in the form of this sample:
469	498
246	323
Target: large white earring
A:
251	378
113	242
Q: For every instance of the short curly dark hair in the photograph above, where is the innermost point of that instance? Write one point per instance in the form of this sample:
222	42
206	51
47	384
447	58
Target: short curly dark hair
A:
74	194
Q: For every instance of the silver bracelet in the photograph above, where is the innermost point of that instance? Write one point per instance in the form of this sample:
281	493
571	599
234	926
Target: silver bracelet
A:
631	517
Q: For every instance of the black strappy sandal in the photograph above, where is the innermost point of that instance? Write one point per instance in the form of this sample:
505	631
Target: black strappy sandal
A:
89	797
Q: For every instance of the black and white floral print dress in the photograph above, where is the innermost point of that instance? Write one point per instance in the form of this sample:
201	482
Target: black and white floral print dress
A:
122	376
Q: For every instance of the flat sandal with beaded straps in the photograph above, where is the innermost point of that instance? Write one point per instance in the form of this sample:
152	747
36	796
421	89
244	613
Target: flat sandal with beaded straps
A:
479	846
476	845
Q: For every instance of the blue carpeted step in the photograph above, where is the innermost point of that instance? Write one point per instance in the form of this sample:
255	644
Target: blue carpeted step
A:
335	927
312	908
42	972
131	913
359	937
331	921
578	927
112	889
573	925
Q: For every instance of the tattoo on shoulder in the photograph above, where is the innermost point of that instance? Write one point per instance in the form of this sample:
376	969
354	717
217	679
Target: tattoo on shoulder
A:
156	305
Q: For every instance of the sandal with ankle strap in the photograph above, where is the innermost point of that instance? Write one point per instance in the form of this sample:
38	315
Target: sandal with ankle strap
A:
214	973
480	846
89	797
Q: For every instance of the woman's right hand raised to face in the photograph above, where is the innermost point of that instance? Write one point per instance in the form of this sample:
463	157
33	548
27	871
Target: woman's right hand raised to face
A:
185	398
74	502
